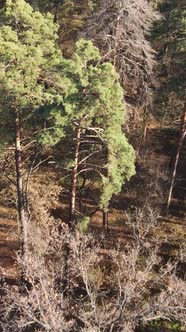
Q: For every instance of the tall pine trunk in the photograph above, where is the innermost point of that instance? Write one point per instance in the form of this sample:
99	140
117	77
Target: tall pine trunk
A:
19	187
105	219
74	177
105	209
180	144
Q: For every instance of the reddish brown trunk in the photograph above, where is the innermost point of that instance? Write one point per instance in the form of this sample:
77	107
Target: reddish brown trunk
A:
74	177
180	144
105	219
81	192
19	187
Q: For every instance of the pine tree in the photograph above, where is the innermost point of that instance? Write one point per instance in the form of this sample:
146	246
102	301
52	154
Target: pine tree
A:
28	56
93	108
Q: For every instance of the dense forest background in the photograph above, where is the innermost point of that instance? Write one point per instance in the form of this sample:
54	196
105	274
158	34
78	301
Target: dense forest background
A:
93	180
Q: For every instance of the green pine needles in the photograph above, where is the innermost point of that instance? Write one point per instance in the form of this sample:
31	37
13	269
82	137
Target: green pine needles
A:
93	101
27	53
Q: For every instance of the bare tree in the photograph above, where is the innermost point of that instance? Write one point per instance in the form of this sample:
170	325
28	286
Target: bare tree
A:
121	30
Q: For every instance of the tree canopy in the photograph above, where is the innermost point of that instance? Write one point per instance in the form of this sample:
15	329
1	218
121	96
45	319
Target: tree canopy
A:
93	99
28	52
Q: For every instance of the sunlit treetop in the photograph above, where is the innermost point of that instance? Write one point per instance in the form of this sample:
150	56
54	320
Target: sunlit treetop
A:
27	52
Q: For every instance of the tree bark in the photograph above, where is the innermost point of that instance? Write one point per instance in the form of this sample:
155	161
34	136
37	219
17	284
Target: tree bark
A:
180	144
81	192
105	219
74	177
19	187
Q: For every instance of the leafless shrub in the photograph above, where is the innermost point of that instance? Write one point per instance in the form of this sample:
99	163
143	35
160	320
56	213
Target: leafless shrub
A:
38	307
143	222
133	292
90	289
